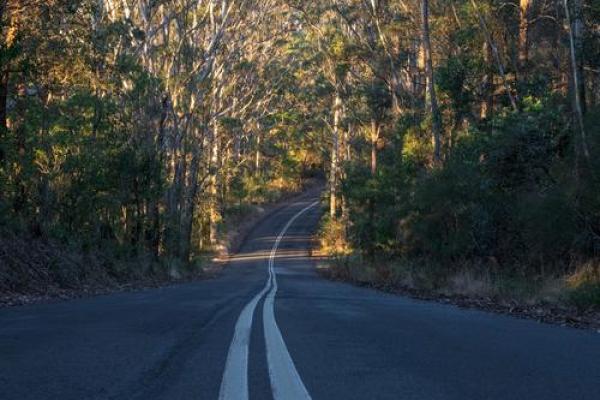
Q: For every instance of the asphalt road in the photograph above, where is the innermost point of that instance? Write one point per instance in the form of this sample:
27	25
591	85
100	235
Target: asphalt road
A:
269	327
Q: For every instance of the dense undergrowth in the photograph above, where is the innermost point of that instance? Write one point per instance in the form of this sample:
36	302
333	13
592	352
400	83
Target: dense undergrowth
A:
513	212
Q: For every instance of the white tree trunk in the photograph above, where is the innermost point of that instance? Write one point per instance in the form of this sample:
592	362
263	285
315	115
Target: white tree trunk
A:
335	151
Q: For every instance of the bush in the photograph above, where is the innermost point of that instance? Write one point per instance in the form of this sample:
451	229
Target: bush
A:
333	237
585	296
584	286
509	193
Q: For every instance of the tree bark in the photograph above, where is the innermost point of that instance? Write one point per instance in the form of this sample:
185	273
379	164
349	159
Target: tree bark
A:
432	99
187	217
154	235
214	214
174	191
257	155
344	157
577	32
20	199
494	49
374	140
3	111
335	149
4	75
578	87
524	8
487	104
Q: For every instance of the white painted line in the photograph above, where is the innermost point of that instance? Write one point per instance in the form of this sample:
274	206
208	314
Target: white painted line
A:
234	385
286	383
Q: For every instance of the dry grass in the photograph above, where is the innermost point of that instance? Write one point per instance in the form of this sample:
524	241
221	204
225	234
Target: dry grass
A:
469	283
470	280
586	274
546	300
583	286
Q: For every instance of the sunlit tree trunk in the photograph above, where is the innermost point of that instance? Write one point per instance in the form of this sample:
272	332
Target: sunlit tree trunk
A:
344	156
436	119
335	151
374	140
214	214
524	11
257	153
414	67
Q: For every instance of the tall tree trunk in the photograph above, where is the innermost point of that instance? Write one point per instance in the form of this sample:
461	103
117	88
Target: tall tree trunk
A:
214	214
374	140
46	209
257	154
575	26
4	76
432	99
174	192
344	157
487	104
20	132
524	11
154	234
3	112
494	49
577	35
335	151
187	217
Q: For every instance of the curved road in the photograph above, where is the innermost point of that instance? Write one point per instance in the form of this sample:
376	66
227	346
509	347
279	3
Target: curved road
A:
269	327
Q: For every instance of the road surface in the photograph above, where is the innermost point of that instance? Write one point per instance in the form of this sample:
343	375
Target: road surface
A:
270	328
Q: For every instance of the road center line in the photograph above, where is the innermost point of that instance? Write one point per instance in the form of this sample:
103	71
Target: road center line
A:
234	385
286	383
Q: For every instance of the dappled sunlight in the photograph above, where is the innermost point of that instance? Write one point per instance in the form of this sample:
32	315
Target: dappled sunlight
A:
280	255
586	274
291	238
249	256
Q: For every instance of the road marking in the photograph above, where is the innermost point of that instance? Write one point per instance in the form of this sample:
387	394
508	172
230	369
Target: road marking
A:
286	383
234	385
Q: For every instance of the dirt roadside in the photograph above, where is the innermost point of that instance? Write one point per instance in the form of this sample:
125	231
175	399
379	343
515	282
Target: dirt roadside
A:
556	314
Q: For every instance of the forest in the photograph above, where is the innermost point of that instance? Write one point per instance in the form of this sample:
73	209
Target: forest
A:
458	140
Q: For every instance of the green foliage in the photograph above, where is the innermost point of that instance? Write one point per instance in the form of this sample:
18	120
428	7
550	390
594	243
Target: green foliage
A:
585	296
505	193
452	79
377	98
332	235
371	201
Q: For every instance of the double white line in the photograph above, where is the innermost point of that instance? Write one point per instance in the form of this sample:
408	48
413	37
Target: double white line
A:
285	380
